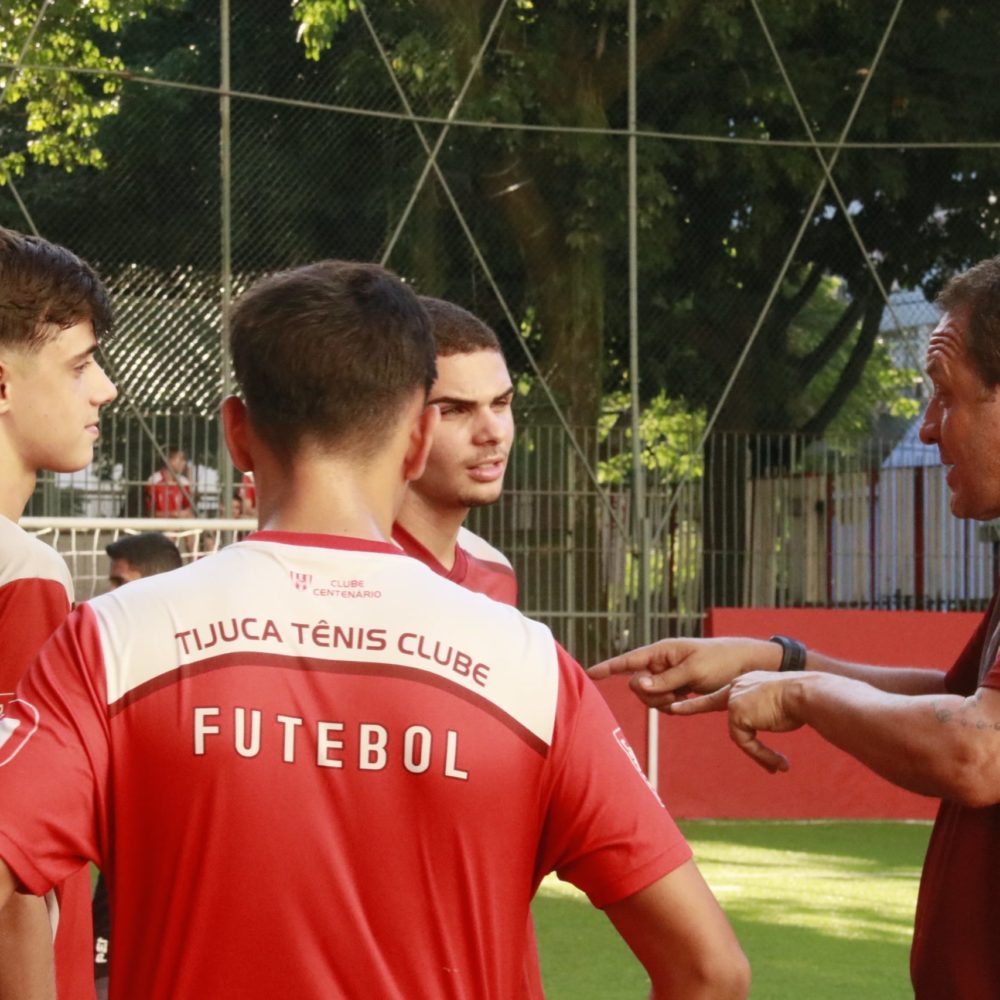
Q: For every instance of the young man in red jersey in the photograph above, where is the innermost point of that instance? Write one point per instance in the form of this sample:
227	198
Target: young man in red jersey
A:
468	458
168	490
465	469
310	745
52	309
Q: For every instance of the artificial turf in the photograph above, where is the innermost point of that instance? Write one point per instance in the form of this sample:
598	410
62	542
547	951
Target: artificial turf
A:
823	910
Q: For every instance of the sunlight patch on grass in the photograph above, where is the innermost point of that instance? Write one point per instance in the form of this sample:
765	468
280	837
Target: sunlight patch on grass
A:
834	894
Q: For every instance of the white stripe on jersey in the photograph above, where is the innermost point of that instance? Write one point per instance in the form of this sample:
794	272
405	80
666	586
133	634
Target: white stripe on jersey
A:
351	605
480	548
23	557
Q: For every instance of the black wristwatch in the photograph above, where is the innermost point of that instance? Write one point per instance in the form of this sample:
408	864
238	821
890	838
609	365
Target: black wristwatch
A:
793	653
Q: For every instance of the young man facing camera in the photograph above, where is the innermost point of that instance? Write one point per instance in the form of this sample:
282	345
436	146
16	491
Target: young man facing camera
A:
52	310
406	776
468	458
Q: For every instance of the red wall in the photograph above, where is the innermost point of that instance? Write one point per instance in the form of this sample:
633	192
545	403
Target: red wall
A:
703	775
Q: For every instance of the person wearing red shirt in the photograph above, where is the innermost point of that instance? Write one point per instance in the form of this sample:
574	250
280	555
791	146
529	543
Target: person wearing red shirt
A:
52	310
933	732
248	496
468	458
345	760
473	390
168	490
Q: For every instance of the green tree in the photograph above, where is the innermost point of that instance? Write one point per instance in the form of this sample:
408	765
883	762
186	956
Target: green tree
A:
716	220
53	117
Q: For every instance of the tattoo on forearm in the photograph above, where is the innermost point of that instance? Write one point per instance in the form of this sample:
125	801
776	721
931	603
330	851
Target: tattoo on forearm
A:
966	715
942	714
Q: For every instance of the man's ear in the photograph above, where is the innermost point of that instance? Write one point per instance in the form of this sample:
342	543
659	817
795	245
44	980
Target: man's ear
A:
421	439
236	427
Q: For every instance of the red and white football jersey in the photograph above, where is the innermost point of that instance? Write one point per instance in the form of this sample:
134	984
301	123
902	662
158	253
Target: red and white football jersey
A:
482	568
343	777
167	493
36	594
478	565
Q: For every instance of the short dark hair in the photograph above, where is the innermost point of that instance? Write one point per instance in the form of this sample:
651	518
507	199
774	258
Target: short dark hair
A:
978	290
456	330
330	352
45	286
149	553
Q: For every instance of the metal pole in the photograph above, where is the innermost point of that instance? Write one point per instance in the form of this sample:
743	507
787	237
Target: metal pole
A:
640	525
225	466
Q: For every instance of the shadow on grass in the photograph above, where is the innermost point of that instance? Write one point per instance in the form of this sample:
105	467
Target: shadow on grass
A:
823	911
584	959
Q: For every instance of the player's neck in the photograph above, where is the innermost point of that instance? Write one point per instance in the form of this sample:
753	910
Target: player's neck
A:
327	498
435	529
17	482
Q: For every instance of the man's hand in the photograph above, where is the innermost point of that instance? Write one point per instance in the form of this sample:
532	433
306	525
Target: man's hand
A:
756	701
667	671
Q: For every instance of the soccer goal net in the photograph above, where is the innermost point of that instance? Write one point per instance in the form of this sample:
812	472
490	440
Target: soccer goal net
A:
81	541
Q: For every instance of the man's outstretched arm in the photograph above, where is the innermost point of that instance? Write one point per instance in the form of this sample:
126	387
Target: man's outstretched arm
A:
666	671
677	930
26	964
941	744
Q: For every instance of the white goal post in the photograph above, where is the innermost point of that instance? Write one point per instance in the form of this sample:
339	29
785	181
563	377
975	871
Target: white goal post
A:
81	540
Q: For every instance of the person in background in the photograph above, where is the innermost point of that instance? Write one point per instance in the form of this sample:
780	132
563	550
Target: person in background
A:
53	309
168	490
135	556
248	496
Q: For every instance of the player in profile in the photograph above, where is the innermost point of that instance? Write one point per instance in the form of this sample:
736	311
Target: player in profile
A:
134	556
465	469
53	308
468	458
407	758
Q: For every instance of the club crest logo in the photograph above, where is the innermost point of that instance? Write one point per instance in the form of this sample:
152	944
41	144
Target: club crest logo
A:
18	722
301	581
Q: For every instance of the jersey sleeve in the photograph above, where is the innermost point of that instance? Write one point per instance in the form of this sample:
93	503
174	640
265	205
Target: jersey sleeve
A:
54	759
606	830
31	609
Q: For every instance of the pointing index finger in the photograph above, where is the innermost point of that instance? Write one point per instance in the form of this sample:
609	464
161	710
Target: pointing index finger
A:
656	657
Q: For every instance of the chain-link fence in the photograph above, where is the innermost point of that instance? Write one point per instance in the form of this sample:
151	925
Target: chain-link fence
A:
684	220
798	522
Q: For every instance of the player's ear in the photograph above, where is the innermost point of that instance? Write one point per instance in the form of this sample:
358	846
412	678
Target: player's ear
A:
235	426
421	439
4	384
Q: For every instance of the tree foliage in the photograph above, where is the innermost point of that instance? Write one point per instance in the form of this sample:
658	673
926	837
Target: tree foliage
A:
53	117
716	220
548	208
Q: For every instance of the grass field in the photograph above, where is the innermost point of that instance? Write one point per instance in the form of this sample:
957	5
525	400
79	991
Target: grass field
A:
824	910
